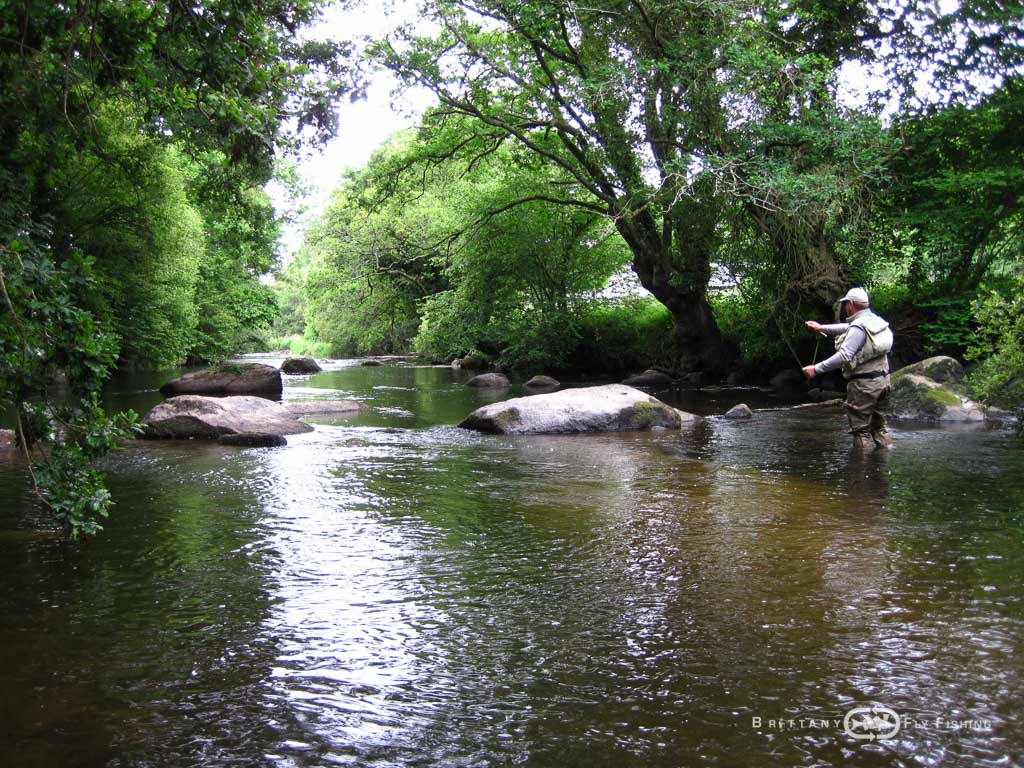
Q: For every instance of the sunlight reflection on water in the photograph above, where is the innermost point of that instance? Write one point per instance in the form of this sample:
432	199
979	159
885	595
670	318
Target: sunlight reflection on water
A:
374	594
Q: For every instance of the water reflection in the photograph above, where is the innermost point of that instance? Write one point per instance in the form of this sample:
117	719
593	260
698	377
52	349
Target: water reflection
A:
375	594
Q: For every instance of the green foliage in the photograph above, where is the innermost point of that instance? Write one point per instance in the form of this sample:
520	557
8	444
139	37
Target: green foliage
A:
134	139
623	336
289	289
521	280
372	260
744	320
46	336
953	329
998	346
295	345
959	199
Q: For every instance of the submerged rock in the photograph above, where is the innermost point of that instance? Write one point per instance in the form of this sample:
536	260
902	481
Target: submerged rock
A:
325	407
208	418
232	379
491	380
300	365
649	378
253	440
609	408
739	411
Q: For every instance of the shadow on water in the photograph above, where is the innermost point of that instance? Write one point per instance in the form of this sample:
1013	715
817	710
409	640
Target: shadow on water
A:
389	590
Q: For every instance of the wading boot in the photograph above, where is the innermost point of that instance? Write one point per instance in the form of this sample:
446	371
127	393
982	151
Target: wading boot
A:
882	439
862	441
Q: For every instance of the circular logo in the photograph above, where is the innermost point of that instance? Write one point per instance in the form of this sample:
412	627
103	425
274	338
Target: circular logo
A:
872	723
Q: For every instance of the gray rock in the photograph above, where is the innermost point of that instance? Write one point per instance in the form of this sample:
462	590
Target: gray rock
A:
917	398
371	363
489	380
207	418
325	407
740	411
649	378
543	382
609	408
253	440
232	379
688	419
942	369
300	365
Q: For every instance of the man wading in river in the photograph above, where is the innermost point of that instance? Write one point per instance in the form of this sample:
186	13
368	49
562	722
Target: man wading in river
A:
862	344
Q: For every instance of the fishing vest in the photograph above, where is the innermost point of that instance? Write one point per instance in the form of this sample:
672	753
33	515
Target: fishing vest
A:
871	356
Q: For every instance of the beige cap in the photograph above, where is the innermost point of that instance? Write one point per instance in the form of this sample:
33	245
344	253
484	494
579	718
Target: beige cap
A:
856	295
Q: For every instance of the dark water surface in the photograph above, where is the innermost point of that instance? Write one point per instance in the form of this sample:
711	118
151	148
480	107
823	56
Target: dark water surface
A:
392	591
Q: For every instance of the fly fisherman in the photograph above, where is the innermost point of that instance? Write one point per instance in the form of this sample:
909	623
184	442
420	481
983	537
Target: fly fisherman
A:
862	343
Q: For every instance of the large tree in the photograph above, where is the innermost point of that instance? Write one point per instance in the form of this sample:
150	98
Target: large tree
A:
667	117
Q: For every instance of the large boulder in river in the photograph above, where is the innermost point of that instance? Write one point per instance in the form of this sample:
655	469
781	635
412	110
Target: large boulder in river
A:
208	418
300	365
930	390
942	369
609	408
918	398
230	379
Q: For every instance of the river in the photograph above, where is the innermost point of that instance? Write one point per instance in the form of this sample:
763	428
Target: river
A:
390	590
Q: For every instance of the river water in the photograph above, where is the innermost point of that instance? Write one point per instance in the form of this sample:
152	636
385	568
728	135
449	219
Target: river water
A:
393	591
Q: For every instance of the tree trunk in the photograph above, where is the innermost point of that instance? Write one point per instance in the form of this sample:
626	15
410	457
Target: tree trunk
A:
681	285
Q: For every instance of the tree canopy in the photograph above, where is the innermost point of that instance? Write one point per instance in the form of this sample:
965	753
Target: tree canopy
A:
135	138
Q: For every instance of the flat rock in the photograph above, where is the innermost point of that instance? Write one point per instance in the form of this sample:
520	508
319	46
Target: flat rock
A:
325	407
233	379
609	408
491	380
300	365
208	418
